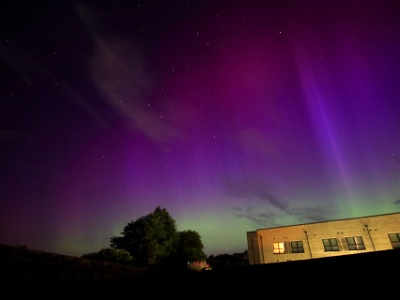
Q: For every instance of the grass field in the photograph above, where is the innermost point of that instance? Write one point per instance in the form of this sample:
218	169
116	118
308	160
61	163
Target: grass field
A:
45	272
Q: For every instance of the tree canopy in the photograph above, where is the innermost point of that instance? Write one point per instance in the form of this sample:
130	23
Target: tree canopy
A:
190	246
111	255
154	240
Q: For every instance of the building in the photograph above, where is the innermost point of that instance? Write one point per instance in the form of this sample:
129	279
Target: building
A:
324	239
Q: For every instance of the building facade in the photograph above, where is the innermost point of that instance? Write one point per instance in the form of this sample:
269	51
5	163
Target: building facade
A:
324	239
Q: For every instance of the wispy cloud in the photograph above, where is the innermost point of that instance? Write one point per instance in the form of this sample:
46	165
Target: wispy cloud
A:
264	208
268	216
118	70
254	189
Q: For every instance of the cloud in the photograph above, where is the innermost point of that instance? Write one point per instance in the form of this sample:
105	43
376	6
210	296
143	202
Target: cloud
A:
119	71
312	214
265	209
269	216
254	189
18	63
266	216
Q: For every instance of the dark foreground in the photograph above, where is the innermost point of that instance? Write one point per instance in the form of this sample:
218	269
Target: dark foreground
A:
28	273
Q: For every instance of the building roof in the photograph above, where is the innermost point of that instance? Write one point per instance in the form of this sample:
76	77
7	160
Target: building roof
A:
326	221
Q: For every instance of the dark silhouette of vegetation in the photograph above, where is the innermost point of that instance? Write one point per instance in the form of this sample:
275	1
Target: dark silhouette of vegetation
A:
222	261
20	264
41	273
111	255
153	240
188	247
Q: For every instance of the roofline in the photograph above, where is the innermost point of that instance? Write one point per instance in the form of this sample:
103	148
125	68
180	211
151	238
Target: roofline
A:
326	221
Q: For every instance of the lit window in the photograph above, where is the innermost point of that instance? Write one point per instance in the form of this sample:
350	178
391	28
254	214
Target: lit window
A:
355	243
395	240
279	248
297	247
331	244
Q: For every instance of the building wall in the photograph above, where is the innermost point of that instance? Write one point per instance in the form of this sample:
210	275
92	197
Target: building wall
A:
373	230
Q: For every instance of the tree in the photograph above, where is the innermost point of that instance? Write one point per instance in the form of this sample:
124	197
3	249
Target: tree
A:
153	240
190	246
149	239
222	261
110	255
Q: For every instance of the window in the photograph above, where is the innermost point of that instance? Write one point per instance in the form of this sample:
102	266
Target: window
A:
395	240
355	243
279	248
297	247
331	244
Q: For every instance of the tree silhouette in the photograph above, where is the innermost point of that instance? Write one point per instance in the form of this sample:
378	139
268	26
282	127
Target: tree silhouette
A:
110	255
190	246
154	240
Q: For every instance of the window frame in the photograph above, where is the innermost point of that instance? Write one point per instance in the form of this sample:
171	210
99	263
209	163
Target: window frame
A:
355	243
331	244
298	248
394	239
280	249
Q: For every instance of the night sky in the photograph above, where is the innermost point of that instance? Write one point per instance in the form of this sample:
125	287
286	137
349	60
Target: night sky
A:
231	115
